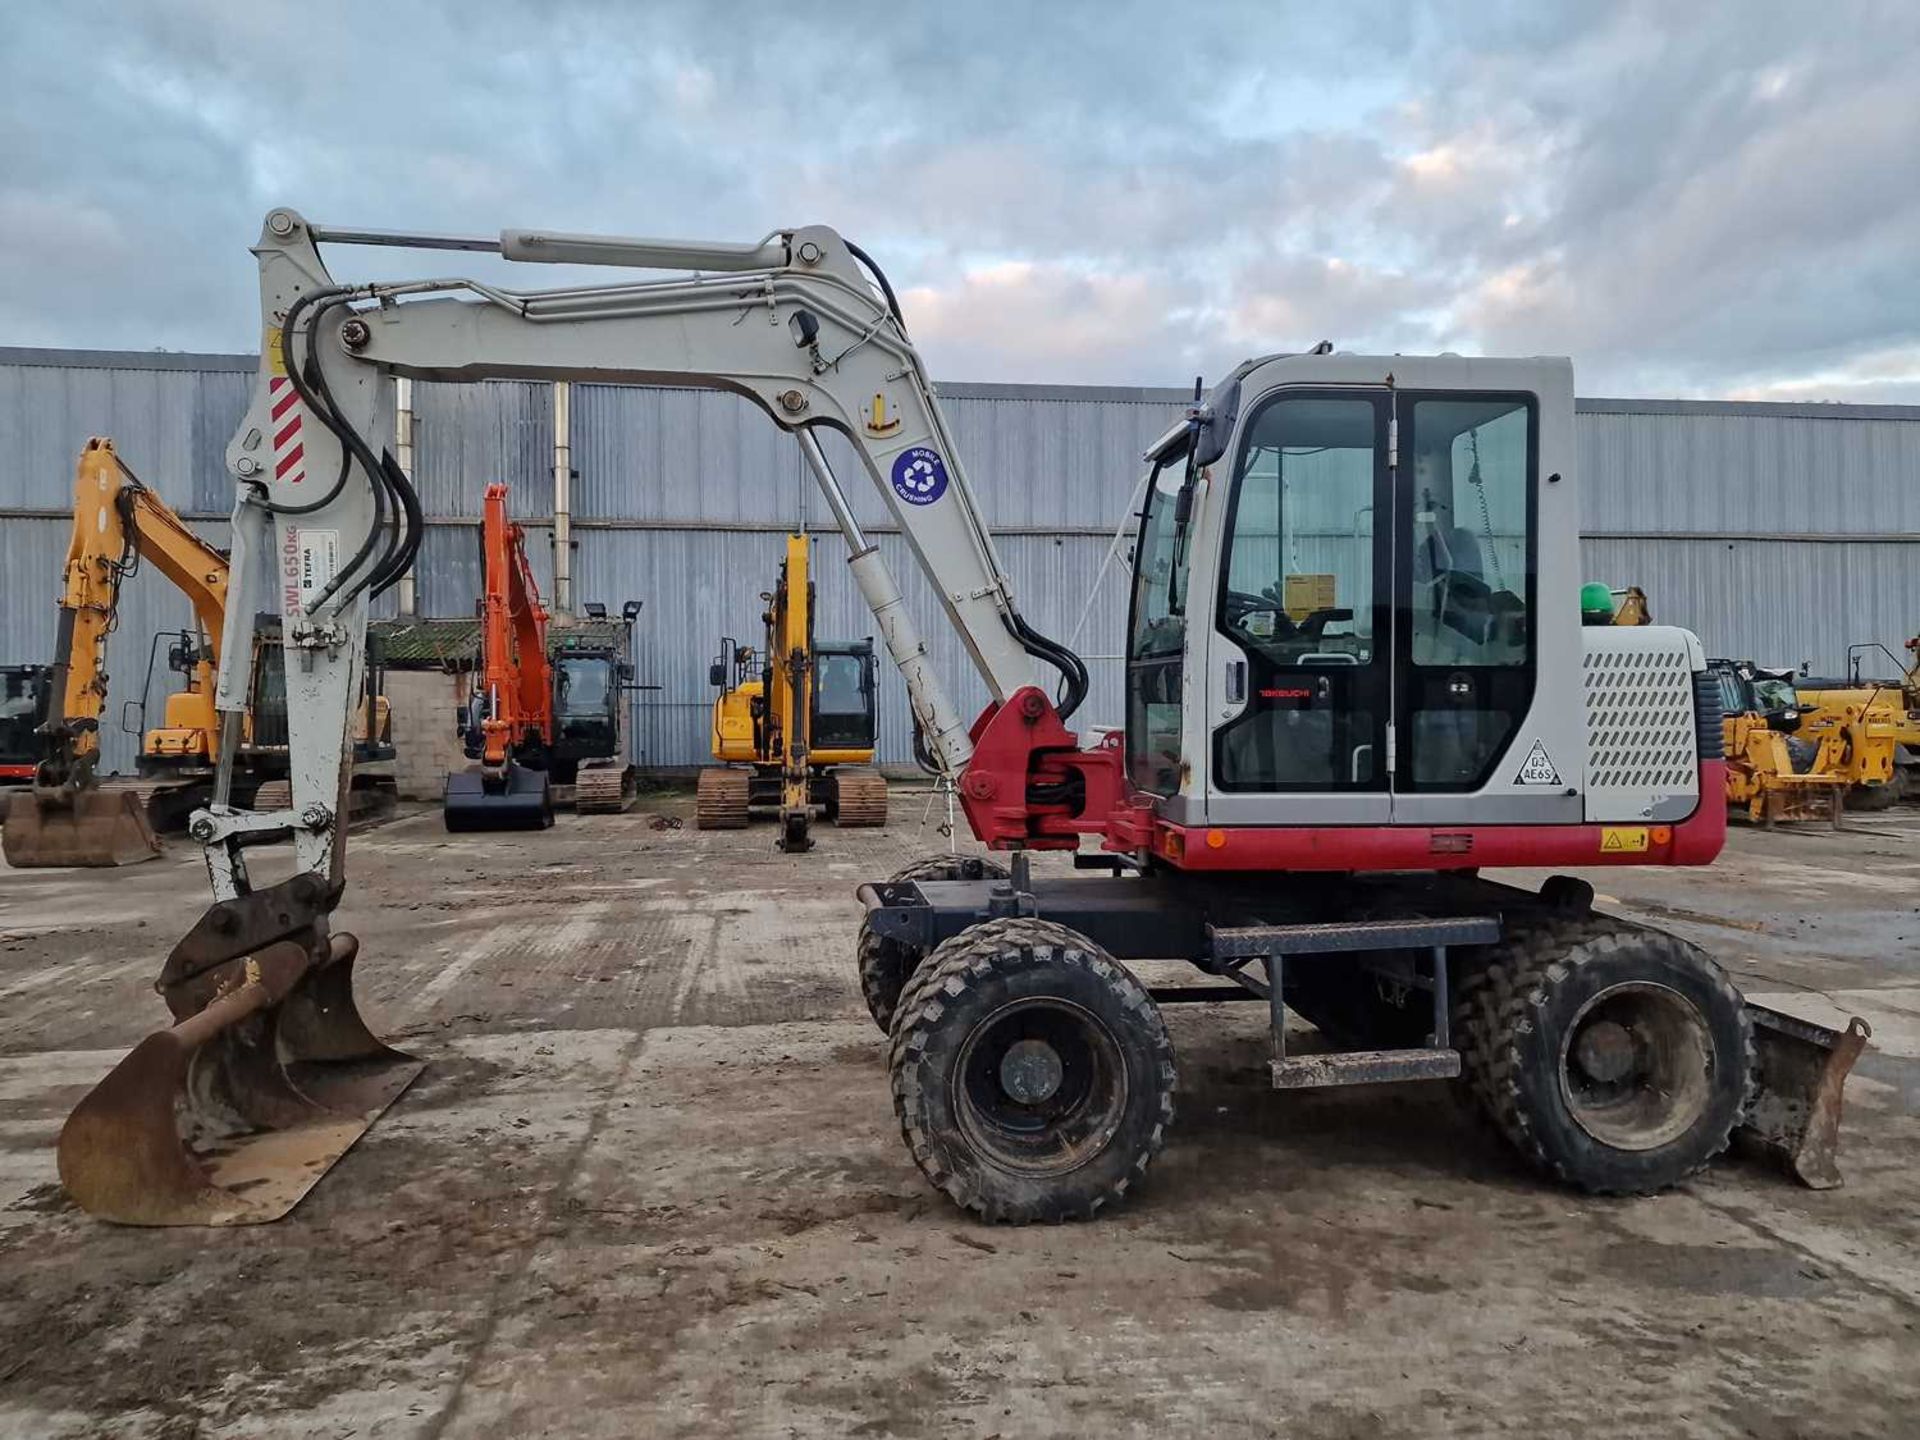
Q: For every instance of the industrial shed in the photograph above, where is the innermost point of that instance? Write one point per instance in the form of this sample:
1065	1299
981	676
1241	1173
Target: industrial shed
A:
1778	532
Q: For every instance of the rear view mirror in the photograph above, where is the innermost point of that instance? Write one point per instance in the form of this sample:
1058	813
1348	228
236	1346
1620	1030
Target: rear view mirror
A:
717	674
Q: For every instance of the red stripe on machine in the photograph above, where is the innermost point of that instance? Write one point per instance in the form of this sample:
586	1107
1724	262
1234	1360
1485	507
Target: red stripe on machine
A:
287	462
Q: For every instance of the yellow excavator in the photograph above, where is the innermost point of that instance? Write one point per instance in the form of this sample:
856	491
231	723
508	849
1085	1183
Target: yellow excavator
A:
793	726
66	818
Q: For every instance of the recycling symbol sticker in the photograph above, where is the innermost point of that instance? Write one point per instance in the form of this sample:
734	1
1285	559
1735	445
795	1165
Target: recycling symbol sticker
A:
919	476
1538	768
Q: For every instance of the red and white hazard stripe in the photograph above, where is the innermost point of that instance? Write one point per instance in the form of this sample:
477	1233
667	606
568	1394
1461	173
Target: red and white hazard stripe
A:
289	455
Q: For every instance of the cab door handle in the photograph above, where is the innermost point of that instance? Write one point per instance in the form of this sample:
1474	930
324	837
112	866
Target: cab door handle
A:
1236	681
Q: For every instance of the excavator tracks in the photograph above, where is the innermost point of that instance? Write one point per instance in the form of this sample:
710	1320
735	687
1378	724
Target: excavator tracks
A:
720	802
602	790
860	797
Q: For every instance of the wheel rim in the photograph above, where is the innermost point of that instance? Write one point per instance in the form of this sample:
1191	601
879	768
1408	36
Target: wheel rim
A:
1040	1087
1636	1066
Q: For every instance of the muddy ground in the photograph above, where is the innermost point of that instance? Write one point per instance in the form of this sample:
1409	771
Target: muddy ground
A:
650	1184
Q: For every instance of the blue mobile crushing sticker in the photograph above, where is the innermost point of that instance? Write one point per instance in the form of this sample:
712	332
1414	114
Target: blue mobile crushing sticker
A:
919	476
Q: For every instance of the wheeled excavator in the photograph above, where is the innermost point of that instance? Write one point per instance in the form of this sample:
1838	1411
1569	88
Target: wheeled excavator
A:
533	718
793	725
1355	682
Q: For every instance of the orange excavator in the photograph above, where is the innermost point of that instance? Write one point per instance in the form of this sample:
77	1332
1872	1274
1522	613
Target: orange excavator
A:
508	720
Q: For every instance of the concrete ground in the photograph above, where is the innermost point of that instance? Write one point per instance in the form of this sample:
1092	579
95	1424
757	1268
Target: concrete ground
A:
650	1184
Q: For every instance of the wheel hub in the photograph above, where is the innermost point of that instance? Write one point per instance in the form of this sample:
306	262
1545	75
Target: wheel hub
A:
1637	1066
1039	1086
1031	1071
1604	1050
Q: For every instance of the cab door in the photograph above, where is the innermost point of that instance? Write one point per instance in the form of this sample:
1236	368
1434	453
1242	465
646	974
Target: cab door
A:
1300	673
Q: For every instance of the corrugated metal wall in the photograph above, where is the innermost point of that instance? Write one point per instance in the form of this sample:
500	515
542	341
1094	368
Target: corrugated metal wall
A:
1777	532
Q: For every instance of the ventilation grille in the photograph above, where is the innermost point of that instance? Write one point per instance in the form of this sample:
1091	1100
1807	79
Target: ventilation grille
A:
1642	747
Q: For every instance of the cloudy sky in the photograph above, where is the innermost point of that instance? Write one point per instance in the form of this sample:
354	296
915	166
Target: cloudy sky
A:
1712	199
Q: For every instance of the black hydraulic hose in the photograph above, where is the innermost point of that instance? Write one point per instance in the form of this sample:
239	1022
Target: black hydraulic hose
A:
879	275
1073	670
310	395
414	519
396	537
922	755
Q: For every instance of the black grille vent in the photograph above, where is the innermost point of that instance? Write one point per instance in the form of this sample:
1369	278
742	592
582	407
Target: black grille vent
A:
1707	716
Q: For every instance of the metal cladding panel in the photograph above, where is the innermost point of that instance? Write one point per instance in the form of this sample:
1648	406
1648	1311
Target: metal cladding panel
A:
1658	473
711	457
686	455
1784	603
466	437
697	587
1054	462
170	426
449	572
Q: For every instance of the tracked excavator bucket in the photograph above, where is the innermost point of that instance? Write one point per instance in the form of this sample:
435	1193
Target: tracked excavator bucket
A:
267	1078
90	827
521	799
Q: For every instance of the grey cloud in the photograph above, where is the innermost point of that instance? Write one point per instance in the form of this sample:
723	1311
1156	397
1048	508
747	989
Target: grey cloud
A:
1688	202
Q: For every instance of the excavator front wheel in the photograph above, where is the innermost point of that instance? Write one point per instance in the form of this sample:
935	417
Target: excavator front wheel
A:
1032	1074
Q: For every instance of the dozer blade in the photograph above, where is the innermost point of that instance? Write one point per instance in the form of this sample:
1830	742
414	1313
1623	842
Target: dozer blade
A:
523	801
1794	1119
233	1114
94	828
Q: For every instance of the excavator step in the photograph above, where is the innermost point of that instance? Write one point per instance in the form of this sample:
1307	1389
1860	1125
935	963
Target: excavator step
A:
721	800
1364	1067
860	799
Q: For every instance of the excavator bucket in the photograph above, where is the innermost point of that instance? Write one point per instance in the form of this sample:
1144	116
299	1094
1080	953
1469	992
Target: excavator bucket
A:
1794	1119
233	1114
93	828
521	800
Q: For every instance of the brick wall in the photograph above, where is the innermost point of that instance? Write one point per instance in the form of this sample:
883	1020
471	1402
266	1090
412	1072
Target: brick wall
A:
425	744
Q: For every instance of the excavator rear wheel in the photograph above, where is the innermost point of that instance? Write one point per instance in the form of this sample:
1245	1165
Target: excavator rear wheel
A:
860	797
1031	1073
720	801
1614	1058
886	965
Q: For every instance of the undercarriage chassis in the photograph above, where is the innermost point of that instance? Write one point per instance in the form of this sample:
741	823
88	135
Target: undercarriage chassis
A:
1616	1057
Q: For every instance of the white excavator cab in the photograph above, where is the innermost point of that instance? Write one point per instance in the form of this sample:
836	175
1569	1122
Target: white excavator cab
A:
1354	605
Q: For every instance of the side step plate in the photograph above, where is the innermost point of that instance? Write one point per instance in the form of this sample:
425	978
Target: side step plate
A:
1363	1067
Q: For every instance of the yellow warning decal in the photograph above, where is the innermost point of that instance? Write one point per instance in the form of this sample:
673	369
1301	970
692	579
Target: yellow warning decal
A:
1618	839
276	357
